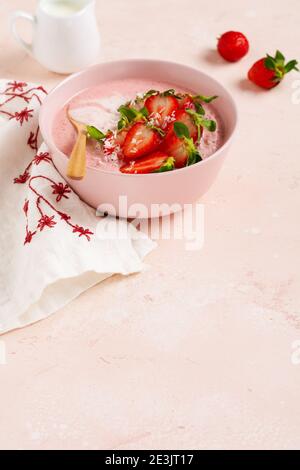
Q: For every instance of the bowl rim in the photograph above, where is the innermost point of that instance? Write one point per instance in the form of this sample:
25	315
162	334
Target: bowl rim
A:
165	174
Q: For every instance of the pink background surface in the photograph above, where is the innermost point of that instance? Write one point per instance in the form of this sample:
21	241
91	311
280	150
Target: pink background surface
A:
195	352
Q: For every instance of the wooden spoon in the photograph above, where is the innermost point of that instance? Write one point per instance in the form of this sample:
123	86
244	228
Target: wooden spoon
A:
77	161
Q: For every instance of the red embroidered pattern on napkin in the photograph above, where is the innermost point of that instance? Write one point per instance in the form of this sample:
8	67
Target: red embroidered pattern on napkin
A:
21	91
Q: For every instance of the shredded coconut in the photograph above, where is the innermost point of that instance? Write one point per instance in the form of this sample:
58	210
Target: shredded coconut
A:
111	150
154	119
168	119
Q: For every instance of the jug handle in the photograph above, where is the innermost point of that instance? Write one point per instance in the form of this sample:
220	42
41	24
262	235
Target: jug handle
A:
27	16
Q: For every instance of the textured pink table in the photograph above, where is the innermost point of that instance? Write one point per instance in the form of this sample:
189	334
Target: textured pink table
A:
196	351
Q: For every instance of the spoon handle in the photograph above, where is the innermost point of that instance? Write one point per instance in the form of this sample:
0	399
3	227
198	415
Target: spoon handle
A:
77	162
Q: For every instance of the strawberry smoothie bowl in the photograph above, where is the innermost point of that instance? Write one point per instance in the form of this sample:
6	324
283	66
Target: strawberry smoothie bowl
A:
157	133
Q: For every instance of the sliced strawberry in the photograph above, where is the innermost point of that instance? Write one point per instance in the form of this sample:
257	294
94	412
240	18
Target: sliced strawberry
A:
140	140
182	116
176	147
186	102
156	162
181	146
161	106
121	136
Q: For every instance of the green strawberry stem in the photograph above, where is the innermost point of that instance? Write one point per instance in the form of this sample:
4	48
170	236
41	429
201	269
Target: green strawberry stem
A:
168	165
279	67
157	129
171	92
193	154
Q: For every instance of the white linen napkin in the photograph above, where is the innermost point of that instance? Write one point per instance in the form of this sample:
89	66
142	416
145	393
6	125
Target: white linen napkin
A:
52	245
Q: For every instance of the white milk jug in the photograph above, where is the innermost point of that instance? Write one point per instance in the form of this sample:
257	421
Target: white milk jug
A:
65	34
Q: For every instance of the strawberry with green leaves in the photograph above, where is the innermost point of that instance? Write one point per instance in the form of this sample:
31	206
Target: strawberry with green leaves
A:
157	162
195	121
181	146
269	71
183	116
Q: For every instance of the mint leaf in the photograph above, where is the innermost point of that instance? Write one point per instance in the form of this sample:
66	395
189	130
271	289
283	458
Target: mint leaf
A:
197	118
122	123
200	121
199	108
209	124
205	99
128	113
94	133
181	130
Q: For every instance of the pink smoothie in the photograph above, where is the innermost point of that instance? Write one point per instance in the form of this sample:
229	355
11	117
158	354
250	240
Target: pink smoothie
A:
98	107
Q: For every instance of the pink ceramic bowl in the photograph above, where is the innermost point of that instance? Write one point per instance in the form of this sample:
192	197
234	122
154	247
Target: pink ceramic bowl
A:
142	193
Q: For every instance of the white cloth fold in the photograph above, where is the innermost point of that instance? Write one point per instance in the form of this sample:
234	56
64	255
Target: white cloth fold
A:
52	245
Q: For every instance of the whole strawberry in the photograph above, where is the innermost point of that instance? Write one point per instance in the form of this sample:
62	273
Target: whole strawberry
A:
233	46
269	71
